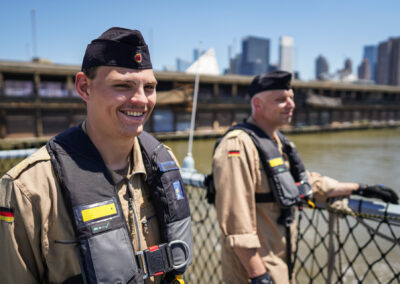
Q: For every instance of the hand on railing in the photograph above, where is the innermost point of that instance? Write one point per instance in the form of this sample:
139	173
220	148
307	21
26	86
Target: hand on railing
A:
378	191
263	279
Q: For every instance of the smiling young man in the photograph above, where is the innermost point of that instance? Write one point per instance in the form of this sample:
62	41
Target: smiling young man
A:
258	178
102	202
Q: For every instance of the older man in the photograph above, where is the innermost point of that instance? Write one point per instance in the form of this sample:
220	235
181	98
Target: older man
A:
259	178
102	202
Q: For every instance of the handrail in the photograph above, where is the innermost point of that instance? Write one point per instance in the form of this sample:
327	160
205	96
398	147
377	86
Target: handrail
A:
362	207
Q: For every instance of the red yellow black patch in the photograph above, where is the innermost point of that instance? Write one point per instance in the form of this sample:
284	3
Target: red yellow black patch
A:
138	57
6	214
234	153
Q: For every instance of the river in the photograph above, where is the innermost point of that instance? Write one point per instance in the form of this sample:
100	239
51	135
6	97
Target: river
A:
365	156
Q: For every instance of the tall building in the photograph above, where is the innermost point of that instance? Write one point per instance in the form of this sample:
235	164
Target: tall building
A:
388	66
321	67
286	54
348	66
394	77
182	65
255	56
371	53
364	71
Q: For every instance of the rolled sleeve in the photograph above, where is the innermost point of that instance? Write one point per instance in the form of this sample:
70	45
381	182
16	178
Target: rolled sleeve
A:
243	241
321	185
234	181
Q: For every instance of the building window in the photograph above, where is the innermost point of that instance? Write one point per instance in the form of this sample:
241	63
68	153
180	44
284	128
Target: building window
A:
183	121
163	121
18	88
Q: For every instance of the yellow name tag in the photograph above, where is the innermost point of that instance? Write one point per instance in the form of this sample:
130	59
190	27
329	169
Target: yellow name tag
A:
276	162
98	212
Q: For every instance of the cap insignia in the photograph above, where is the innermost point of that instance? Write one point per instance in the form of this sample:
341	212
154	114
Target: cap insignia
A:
138	57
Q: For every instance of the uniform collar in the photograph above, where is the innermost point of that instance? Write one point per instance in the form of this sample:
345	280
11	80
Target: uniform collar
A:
136	165
275	137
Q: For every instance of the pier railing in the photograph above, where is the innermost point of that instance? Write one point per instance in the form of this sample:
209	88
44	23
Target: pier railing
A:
358	244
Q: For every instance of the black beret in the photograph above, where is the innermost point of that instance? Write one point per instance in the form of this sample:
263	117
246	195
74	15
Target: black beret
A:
276	80
118	47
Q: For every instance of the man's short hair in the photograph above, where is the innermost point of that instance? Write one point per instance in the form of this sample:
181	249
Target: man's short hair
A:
276	80
118	47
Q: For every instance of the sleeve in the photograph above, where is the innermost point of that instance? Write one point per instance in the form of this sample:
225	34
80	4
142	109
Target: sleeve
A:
234	173
17	261
321	185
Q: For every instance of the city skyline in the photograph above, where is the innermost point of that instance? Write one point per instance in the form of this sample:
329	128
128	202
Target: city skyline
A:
335	29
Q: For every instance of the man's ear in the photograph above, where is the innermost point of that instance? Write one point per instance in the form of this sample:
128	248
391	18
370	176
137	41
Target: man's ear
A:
257	103
82	85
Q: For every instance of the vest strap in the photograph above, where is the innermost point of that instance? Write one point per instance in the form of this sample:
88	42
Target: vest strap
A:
264	197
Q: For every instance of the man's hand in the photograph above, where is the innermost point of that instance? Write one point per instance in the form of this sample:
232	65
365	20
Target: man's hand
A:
378	191
262	279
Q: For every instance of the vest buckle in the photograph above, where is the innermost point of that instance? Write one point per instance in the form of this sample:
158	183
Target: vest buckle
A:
157	260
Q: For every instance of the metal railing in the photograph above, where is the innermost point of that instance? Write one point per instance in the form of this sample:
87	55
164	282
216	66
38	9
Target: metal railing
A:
360	245
357	245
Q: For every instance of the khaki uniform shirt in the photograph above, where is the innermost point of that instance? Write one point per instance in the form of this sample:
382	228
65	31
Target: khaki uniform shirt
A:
238	175
37	245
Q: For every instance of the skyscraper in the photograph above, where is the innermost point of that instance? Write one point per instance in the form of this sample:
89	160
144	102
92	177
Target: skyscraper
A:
182	64
286	54
348	66
364	70
255	56
388	66
321	67
394	78
371	53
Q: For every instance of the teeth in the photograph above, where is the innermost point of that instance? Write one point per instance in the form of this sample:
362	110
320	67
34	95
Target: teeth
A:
133	113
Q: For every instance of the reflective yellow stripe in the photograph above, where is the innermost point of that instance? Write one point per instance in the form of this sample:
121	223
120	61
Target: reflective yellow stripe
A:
98	212
276	162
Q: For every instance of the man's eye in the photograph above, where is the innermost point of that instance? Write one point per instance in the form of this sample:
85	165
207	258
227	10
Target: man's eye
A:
121	86
150	87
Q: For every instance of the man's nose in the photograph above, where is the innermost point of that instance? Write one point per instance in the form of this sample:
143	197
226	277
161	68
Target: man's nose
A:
290	103
139	96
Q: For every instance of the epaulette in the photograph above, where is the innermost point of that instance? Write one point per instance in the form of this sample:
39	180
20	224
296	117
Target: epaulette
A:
234	133
39	155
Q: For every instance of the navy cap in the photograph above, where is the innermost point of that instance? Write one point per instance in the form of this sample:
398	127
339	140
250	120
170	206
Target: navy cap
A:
118	47
276	80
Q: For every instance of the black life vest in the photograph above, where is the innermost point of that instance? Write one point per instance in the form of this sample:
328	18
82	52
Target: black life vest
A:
287	186
105	248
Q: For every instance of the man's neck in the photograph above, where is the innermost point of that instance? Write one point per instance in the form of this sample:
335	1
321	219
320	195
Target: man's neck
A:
268	129
115	152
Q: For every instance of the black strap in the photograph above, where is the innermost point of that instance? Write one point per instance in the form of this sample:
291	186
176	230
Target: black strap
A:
289	252
77	279
264	197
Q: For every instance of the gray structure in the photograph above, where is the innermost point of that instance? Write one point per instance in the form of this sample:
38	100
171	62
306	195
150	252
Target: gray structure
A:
364	71
255	56
182	65
348	66
371	53
388	66
286	54
321	67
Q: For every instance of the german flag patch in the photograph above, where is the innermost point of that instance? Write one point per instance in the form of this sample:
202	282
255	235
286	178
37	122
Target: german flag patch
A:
234	153
6	214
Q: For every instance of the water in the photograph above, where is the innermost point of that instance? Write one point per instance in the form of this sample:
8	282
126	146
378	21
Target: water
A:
366	156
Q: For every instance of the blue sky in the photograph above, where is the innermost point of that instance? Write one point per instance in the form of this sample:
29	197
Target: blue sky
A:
337	29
